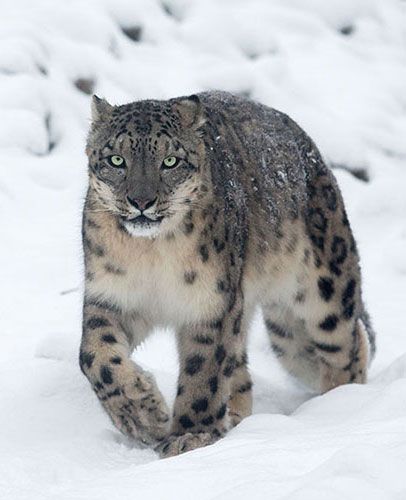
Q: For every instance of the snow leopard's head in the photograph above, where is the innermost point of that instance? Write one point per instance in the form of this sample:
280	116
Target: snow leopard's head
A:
146	162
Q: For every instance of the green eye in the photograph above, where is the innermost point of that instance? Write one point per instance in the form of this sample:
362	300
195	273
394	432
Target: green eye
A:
170	161
116	160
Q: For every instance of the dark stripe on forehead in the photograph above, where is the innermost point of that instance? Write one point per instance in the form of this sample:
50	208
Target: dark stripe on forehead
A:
143	155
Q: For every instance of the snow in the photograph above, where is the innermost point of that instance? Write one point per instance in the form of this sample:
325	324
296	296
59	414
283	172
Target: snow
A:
339	69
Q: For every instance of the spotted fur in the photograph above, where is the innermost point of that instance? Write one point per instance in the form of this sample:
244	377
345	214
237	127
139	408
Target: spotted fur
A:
249	215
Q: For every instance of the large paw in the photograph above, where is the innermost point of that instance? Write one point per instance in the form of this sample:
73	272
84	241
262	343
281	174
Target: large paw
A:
175	445
137	408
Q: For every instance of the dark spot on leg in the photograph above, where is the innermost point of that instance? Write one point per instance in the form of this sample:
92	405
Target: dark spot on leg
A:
207	420
86	359
318	241
230	366
329	323
220	354
339	251
200	405
180	390
111	394
348	292
348	311
106	374
186	422
97	322
110	339
326	288
213	384
221	411
328	347
228	370
194	364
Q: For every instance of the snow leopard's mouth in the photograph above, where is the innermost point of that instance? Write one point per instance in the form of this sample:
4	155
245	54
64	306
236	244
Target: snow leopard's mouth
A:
143	220
142	225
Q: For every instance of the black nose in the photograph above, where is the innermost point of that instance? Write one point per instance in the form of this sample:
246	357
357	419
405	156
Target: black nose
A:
140	203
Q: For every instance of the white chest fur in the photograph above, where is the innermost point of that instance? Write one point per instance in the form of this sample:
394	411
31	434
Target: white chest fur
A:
165	280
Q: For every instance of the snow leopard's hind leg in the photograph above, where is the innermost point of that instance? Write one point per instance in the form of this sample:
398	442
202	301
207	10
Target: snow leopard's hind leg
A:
321	364
319	328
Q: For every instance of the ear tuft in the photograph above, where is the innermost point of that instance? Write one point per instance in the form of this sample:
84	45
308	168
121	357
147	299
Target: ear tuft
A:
100	108
191	111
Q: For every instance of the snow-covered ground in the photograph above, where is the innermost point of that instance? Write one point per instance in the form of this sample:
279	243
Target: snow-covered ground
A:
338	67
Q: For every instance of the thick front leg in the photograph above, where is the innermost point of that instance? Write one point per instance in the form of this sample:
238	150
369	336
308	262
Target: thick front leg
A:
128	394
207	362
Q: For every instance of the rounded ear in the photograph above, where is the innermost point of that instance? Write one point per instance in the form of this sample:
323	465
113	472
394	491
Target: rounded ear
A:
190	110
100	108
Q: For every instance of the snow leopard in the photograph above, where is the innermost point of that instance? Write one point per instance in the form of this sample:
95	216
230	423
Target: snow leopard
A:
199	210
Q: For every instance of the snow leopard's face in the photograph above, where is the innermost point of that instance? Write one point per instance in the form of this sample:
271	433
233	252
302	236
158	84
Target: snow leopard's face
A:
145	162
